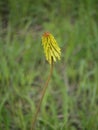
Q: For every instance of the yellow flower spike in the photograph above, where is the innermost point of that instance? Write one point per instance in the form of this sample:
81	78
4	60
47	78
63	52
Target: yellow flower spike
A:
51	48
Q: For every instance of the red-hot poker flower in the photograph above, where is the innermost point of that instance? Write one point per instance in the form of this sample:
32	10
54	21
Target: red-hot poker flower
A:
51	48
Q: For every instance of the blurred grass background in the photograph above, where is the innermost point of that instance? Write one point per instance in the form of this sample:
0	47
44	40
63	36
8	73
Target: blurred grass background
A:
71	101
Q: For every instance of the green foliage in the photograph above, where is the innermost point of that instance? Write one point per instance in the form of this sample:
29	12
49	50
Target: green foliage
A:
71	101
21	11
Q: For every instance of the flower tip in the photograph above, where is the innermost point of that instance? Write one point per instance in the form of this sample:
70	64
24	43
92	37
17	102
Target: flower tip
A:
46	34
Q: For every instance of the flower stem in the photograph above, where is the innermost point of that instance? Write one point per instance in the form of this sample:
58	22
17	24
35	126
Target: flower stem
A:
42	96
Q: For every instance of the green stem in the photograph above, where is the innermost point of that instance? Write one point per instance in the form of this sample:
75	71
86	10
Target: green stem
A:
42	96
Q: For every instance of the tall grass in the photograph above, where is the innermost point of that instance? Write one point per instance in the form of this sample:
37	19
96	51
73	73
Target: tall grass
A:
21	11
71	101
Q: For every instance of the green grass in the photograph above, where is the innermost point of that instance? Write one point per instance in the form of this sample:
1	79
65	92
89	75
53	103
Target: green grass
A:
71	101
